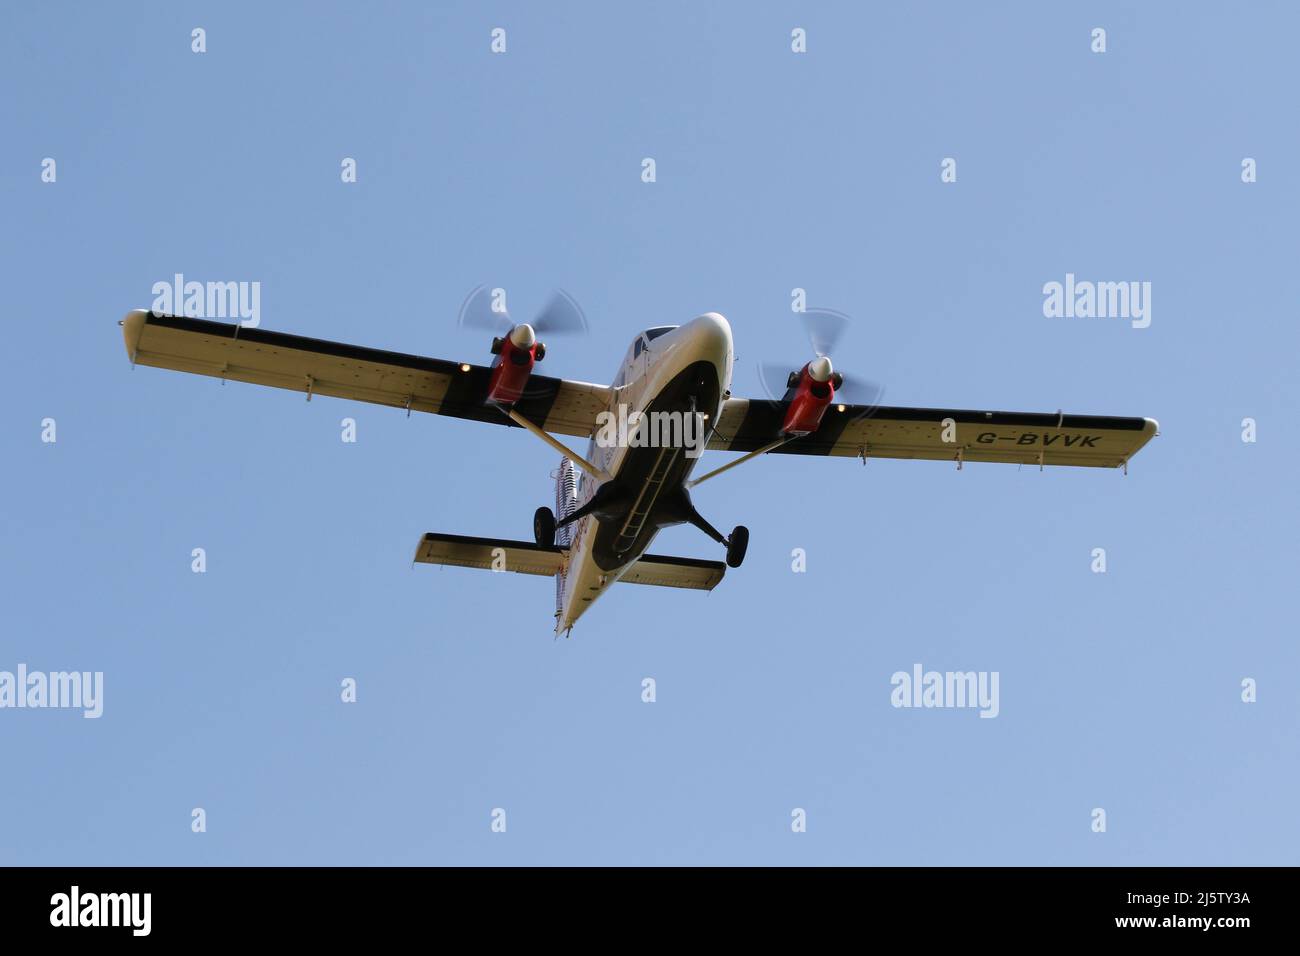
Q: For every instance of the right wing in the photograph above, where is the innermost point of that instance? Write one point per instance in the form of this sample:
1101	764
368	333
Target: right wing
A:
940	434
347	371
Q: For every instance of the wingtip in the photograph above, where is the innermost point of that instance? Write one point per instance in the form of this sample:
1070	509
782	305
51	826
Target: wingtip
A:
132	325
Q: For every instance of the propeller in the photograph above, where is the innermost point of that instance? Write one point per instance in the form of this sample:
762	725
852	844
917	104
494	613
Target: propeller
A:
560	316
484	308
825	328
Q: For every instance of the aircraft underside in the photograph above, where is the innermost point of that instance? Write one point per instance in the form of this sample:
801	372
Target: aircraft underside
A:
603	525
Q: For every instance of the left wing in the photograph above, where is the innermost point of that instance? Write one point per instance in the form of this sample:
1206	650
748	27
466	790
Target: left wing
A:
318	367
1024	438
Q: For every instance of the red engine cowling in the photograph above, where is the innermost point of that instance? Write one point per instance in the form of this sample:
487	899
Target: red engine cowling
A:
814	387
516	354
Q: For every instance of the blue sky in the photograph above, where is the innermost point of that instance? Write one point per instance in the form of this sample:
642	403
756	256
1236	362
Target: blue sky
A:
774	170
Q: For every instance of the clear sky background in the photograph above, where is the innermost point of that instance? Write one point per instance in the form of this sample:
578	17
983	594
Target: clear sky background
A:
775	170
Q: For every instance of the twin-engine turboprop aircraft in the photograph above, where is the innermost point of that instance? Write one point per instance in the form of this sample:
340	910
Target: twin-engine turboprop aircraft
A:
631	484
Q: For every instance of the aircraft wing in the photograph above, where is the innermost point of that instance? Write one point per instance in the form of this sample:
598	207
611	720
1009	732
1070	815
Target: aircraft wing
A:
1024	438
317	367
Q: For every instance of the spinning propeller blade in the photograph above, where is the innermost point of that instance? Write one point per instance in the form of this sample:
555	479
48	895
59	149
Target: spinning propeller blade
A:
825	328
560	316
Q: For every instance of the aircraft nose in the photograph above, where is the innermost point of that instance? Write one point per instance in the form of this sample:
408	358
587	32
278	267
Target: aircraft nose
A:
712	332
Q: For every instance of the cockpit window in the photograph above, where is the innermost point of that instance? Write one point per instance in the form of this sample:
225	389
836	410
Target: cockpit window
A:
653	334
638	346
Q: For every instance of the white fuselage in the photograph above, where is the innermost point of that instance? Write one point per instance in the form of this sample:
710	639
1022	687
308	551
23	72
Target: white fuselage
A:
647	370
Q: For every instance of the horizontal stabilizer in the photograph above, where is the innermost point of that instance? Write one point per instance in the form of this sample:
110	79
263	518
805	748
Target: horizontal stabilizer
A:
524	557
670	572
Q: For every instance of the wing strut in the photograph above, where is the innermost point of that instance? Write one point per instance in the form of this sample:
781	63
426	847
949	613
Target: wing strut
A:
740	461
598	473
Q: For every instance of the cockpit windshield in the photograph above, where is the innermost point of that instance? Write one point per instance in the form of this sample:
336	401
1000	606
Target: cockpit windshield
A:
643	340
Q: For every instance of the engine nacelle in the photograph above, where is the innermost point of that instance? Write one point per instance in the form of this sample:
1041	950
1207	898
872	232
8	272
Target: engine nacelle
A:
814	389
516	354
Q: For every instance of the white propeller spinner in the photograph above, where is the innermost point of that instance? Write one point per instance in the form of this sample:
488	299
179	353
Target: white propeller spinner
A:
522	336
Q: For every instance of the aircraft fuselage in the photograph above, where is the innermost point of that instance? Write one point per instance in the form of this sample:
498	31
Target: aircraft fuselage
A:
684	370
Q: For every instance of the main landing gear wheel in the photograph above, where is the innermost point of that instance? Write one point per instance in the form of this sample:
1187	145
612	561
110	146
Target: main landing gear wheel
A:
736	545
544	527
